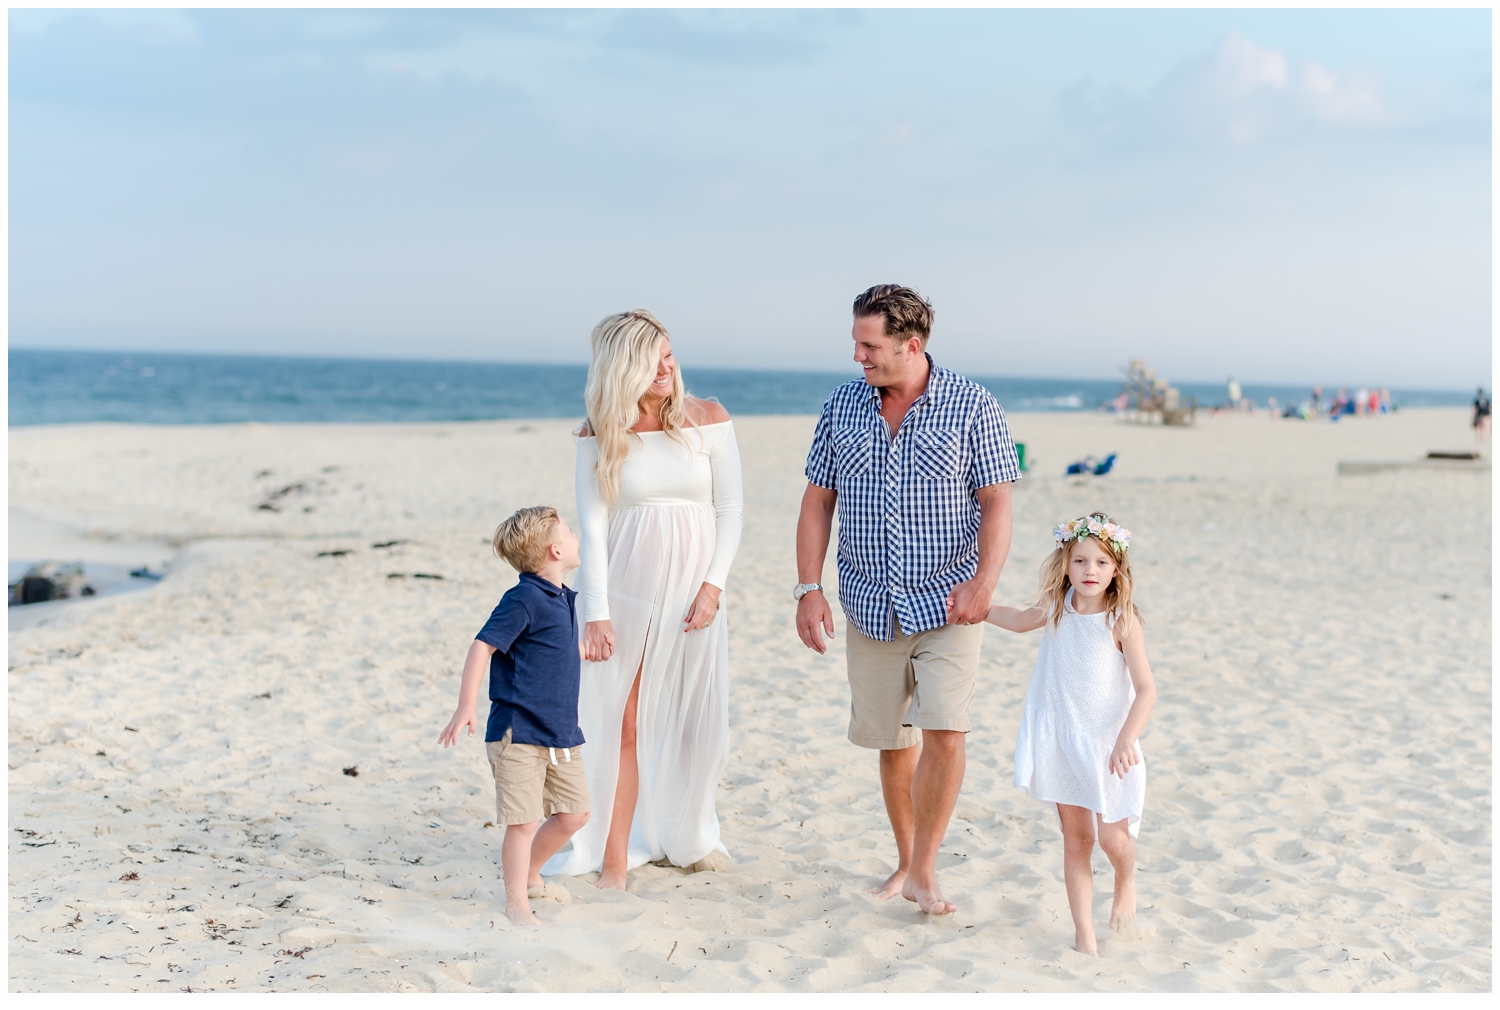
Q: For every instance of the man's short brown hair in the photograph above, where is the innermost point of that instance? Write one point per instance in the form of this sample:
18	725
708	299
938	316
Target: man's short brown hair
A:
907	314
523	539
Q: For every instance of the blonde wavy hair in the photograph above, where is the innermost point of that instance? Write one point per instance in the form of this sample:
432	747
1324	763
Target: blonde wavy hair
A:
622	366
1119	602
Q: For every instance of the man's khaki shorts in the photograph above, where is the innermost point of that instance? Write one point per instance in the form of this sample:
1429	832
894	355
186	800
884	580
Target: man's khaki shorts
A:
529	787
917	682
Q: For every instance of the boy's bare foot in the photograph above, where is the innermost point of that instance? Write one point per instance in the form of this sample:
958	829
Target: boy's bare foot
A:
611	880
520	915
891	887
928	899
552	892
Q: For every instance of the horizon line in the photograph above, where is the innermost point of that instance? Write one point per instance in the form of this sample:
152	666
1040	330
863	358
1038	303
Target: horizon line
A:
12	347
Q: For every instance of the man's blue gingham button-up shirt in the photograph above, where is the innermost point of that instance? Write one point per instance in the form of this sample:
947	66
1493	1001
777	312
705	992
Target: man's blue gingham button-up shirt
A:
908	518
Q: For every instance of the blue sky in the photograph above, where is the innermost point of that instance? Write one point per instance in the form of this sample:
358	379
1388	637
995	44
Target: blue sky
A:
1279	195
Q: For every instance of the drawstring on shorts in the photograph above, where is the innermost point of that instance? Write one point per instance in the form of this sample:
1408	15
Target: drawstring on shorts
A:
567	754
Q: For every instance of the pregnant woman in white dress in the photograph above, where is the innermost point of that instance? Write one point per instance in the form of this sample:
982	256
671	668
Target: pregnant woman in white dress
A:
660	507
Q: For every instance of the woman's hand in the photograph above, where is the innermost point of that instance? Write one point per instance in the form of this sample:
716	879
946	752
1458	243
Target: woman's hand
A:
704	609
1123	758
598	641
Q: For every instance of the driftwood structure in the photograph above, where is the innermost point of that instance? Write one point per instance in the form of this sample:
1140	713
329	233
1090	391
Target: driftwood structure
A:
1150	399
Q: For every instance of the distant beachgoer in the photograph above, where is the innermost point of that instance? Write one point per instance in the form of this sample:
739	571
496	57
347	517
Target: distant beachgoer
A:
1317	400
660	503
530	648
1235	394
1090	695
1482	412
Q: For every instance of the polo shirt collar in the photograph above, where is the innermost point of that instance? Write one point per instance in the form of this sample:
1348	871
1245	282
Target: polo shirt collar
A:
543	584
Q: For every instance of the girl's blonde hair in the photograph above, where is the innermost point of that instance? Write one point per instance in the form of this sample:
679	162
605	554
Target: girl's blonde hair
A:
1119	602
622	367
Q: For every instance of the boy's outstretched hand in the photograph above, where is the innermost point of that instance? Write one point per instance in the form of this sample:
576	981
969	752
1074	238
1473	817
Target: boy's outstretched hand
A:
449	736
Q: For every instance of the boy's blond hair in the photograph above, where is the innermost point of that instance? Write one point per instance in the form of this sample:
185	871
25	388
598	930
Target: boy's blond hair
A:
523	539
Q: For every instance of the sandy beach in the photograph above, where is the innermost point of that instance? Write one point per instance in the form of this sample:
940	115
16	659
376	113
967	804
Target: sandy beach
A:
230	781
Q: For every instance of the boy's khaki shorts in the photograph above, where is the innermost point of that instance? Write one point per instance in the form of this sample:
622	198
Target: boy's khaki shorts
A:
529	787
917	682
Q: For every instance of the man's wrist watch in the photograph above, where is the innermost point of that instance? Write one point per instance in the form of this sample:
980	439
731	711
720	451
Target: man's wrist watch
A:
803	588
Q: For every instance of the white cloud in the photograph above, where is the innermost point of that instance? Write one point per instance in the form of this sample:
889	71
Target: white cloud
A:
1241	67
1341	97
1239	92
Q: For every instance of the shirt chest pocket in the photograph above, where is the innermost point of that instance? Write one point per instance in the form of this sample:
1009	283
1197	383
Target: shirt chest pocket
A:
851	450
937	454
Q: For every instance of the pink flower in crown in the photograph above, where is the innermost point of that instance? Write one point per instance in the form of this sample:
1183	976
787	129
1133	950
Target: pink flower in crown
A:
1109	531
1095	526
1122	537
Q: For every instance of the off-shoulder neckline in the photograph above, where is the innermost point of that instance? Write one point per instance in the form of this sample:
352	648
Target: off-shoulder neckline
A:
661	432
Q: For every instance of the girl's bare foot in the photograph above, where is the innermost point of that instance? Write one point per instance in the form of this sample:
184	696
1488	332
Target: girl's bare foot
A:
1122	913
611	880
1086	945
891	887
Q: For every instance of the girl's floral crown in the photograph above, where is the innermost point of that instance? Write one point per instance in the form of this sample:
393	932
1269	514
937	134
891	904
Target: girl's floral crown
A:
1099	526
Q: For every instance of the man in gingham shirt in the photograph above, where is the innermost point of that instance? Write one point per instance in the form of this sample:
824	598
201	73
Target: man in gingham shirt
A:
918	462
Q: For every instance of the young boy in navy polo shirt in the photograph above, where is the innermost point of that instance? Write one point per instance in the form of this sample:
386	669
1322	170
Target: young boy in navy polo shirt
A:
530	647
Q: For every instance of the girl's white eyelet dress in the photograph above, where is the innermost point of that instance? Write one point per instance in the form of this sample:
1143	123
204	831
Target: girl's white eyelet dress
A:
1077	700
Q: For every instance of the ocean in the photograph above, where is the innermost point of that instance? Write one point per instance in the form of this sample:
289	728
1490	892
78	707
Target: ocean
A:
66	387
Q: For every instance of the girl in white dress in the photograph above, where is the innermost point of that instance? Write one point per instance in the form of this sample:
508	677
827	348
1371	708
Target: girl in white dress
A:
660	506
1090	695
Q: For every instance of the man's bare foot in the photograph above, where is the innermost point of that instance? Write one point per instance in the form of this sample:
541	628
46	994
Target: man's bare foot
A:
612	880
891	887
520	915
928	899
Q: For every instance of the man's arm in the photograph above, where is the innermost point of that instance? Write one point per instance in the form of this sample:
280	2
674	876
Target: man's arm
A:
814	528
969	602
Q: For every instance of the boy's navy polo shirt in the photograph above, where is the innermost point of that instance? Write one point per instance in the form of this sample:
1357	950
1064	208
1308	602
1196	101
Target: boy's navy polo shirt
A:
534	671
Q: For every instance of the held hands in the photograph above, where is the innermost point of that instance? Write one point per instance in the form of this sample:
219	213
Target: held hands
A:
598	641
704	609
449	736
968	602
1123	758
814	617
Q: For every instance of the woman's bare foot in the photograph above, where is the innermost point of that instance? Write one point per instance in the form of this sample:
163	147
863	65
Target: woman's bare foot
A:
929	899
612	880
891	887
520	915
715	861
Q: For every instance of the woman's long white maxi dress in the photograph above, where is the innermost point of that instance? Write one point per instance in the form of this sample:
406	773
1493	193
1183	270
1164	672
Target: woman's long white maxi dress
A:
675	525
1079	695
